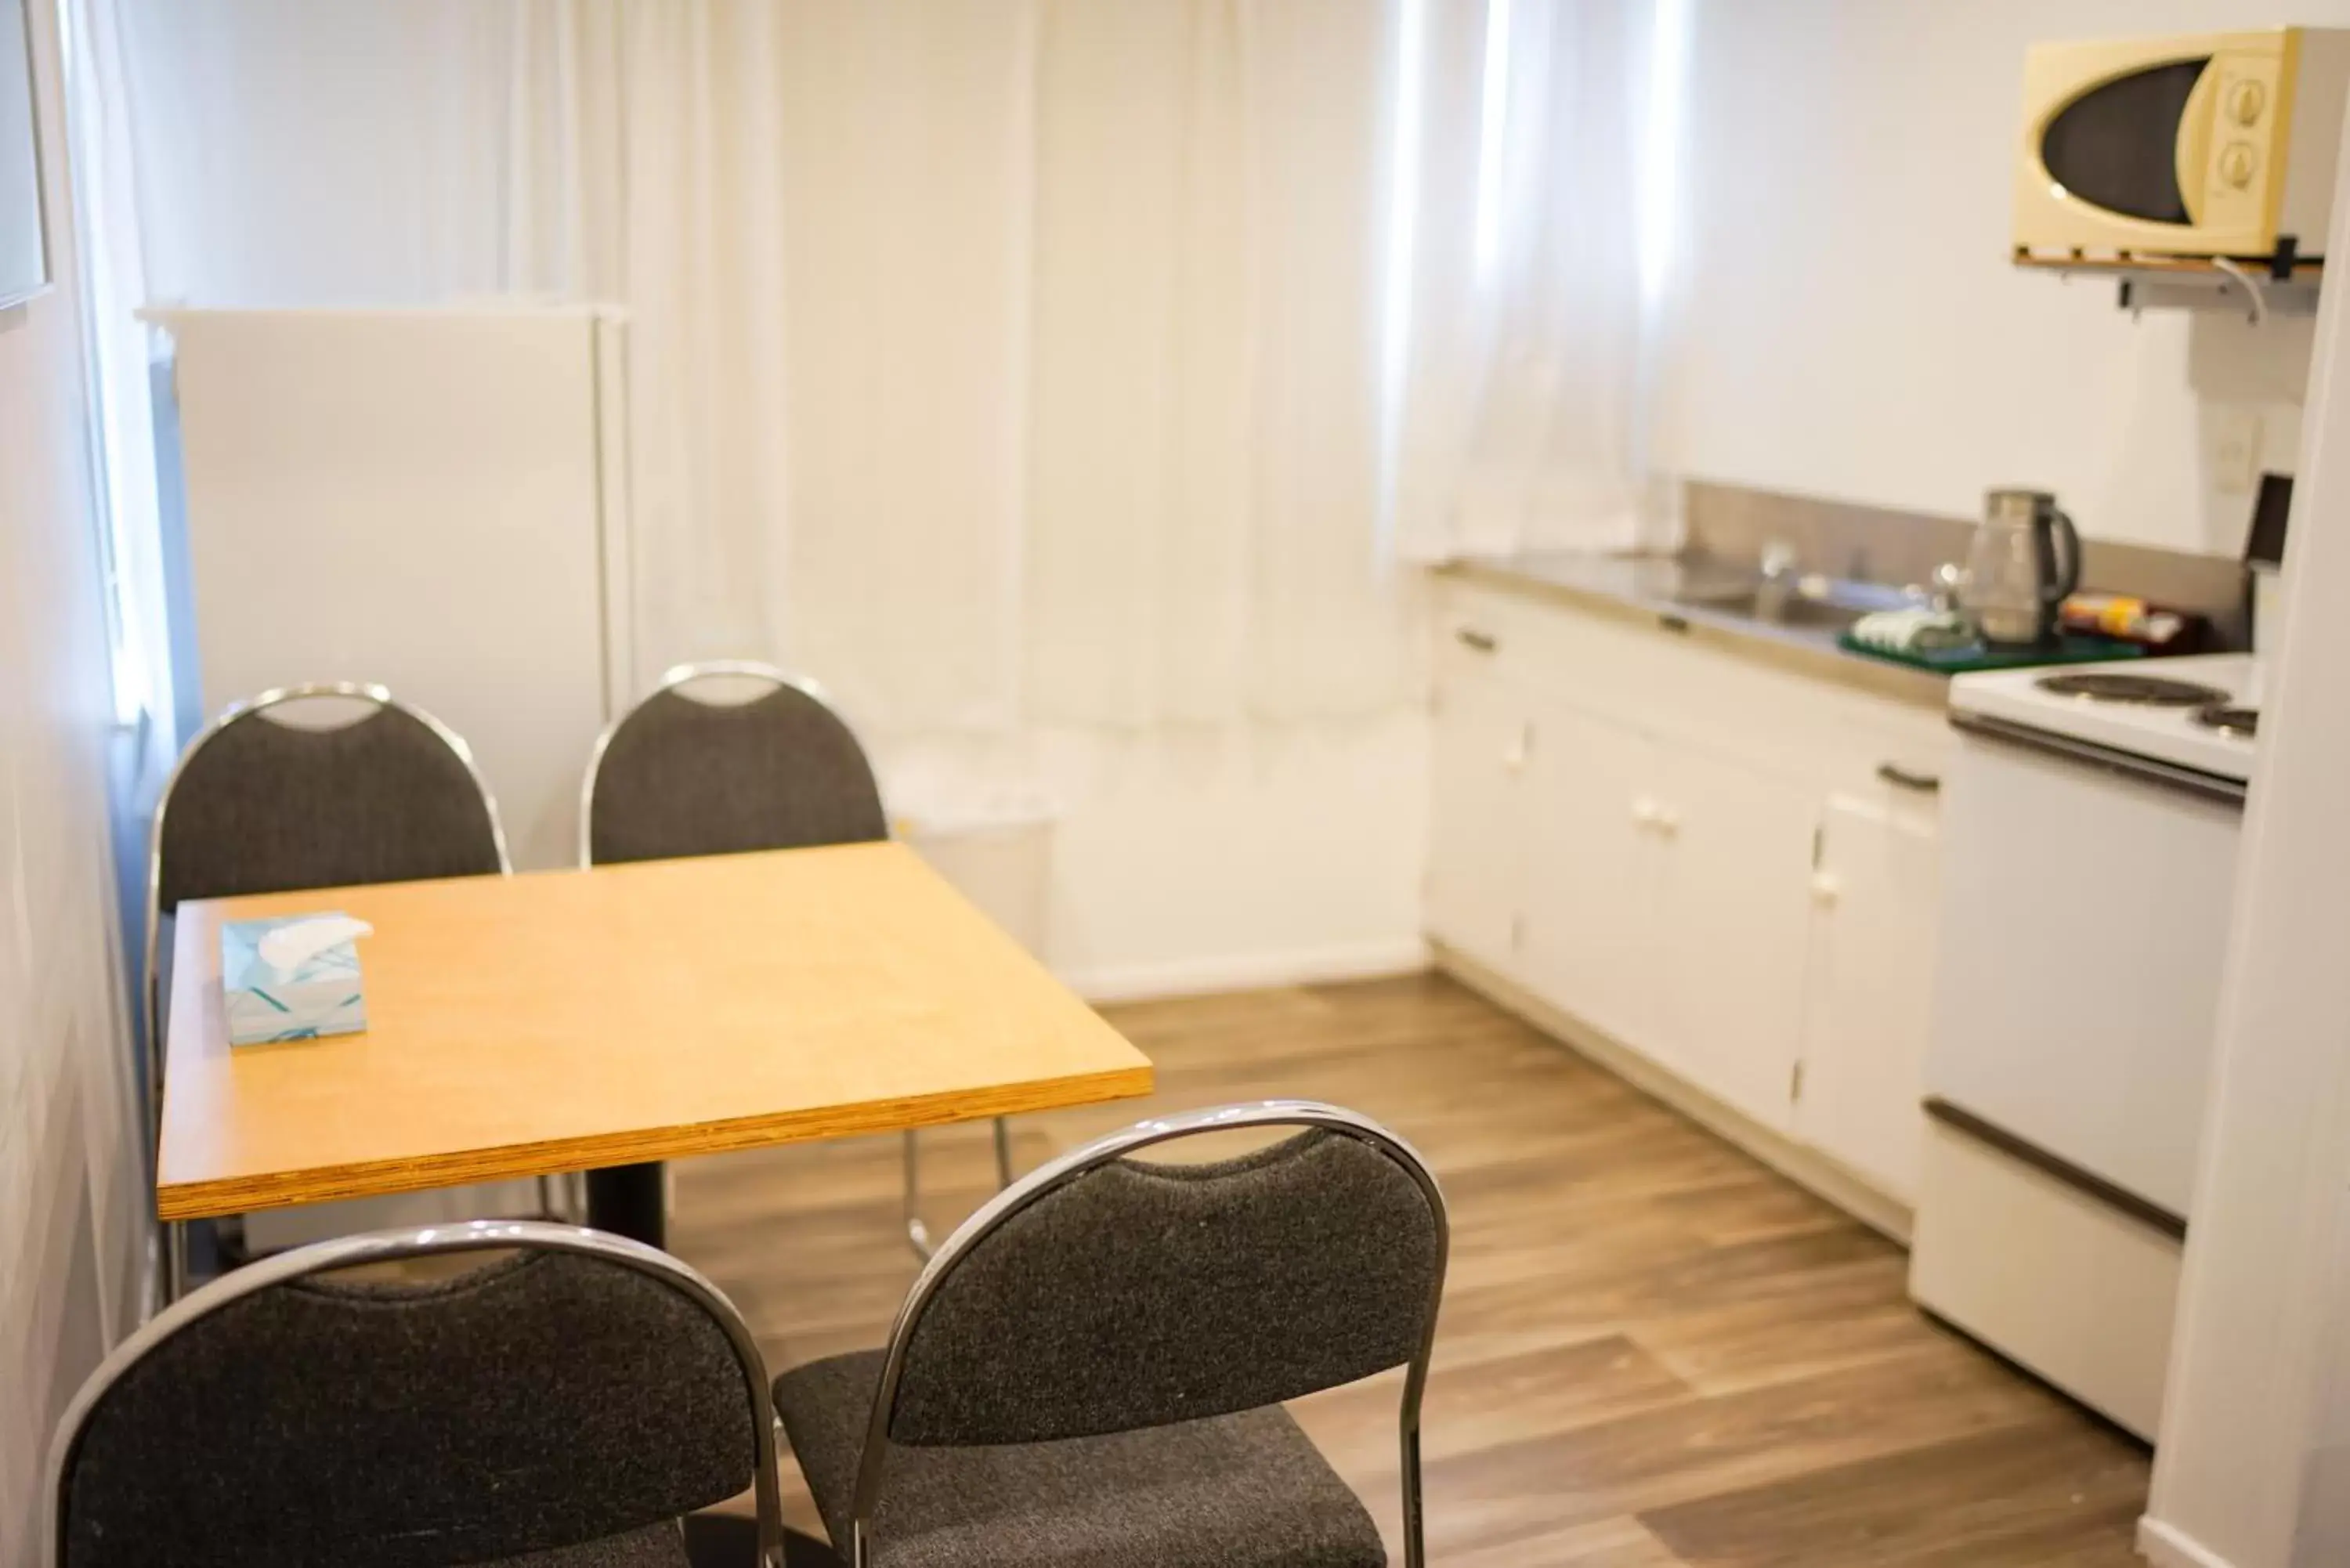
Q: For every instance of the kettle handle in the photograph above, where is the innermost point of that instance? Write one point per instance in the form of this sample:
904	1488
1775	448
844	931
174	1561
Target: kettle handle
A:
2068	579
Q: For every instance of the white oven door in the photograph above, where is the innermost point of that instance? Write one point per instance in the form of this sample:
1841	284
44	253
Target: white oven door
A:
2084	921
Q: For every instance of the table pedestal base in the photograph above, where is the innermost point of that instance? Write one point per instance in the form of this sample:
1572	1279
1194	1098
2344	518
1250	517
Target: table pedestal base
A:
629	1200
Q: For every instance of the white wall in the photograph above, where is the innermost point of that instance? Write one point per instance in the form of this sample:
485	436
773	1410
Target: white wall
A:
1854	328
1197	859
68	1173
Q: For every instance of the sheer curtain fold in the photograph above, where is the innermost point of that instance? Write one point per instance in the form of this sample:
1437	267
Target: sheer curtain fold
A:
686	232
1135	574
1323	94
1539	276
113	266
905	136
1205	457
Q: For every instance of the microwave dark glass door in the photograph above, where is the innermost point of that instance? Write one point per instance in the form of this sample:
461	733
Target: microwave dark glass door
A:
2115	146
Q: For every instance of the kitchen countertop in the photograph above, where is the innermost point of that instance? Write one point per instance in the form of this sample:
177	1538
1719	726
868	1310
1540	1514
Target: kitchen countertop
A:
1652	589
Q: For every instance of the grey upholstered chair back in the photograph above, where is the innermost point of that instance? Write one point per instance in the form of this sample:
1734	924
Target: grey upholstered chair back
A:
261	806
583	1388
1134	1294
1102	1294
680	776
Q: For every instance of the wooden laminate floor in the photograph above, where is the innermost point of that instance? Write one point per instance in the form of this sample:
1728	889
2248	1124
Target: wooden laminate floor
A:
1654	1351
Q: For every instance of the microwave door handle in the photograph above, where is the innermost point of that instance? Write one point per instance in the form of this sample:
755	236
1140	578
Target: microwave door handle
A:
2192	157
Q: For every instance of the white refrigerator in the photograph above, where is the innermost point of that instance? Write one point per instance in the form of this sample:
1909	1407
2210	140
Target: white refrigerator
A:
429	499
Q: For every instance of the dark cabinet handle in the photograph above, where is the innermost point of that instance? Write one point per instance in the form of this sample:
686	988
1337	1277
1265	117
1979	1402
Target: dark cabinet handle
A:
1900	777
1482	641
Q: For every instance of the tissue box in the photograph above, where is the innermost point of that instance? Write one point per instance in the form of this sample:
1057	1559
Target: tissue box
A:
322	995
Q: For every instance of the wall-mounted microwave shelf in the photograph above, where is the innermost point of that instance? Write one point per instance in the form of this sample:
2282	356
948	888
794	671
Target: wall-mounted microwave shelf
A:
2154	283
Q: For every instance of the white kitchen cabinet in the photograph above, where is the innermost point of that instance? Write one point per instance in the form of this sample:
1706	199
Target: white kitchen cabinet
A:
1477	837
1665	903
1737	870
1868	996
1704	859
1593	929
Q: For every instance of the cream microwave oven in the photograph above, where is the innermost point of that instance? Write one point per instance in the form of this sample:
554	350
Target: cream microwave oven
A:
2217	144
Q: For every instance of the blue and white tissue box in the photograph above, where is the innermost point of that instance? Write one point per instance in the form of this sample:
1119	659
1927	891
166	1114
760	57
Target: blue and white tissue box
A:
320	994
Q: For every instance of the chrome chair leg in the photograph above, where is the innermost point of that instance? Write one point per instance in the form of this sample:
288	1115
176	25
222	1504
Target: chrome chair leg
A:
176	1260
918	1235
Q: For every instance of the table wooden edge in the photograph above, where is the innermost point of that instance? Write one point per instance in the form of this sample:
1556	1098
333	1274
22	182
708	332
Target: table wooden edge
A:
212	1197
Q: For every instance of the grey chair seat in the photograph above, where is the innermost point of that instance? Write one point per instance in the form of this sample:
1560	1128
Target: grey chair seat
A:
1242	1489
654	1546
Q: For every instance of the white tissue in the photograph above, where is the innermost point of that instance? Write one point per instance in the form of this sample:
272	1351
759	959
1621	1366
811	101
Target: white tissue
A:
291	946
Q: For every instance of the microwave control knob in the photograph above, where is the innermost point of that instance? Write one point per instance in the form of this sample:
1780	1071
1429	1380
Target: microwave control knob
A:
2236	163
2245	101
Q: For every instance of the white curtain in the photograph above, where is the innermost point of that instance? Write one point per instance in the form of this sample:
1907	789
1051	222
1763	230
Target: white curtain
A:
907	135
1136	580
113	274
1204	467
1541	276
999	362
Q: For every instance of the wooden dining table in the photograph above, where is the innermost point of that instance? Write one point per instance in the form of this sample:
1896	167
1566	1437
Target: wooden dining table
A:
608	1019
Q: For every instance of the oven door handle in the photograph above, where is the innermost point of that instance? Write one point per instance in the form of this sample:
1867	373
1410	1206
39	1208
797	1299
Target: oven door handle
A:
2171	775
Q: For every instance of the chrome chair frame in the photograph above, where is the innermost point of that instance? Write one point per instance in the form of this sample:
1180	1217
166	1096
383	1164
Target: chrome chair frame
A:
150	1000
918	1235
386	1246
1056	1174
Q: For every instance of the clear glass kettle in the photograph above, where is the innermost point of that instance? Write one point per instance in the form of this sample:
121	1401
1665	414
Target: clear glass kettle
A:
2026	559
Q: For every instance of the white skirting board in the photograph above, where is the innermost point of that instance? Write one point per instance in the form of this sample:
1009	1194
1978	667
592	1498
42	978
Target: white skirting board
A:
2162	1546
1249	972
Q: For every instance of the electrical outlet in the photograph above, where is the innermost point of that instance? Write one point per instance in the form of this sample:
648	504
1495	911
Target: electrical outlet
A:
2235	451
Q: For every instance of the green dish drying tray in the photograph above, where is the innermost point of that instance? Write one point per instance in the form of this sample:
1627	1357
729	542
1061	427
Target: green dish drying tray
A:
1977	656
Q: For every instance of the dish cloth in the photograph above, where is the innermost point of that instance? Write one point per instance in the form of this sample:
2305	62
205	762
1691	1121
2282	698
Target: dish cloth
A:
1914	630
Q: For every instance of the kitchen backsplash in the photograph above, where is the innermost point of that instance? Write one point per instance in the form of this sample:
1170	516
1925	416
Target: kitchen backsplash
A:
1731	523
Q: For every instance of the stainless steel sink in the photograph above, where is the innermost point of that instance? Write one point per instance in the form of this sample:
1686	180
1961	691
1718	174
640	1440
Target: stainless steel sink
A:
1812	603
1774	607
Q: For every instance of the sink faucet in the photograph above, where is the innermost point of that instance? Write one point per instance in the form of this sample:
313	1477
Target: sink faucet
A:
1778	560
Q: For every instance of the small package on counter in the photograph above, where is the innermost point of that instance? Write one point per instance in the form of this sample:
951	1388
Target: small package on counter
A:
2128	619
296	977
